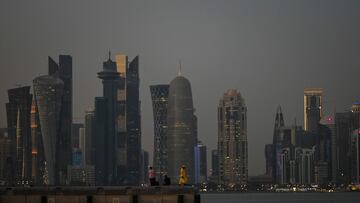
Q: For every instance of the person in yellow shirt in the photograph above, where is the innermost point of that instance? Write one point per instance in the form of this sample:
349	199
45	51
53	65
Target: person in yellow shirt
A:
183	177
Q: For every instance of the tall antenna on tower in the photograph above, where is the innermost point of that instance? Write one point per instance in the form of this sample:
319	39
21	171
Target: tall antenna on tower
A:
179	72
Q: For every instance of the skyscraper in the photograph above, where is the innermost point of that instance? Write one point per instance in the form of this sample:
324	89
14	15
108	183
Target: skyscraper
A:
133	122
63	70
90	137
159	97
121	148
269	153
181	134
313	103
355	143
144	167
110	79
18	119
343	129
101	134
6	166
75	134
37	148
329	122
215	165
277	145
232	139
121	119
200	163
48	92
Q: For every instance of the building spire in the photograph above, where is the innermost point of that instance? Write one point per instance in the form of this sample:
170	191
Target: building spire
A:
179	72
109	55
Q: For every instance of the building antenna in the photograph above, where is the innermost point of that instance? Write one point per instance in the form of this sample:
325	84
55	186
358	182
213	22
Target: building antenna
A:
109	55
179	72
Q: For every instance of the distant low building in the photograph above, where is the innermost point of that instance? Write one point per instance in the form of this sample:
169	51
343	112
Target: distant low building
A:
81	175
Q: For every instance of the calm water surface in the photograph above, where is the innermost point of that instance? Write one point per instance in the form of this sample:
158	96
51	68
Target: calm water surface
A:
282	198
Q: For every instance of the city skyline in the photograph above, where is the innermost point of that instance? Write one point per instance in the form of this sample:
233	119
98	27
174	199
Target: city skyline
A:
269	65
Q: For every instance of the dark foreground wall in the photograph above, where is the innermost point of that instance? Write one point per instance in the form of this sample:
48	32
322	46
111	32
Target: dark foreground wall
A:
99	195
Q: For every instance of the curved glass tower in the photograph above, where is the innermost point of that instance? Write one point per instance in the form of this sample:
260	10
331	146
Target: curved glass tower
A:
181	135
48	96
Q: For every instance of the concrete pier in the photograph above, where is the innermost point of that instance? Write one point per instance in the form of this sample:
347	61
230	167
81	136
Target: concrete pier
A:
170	194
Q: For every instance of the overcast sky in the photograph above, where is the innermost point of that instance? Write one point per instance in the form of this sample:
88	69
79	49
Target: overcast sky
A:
268	50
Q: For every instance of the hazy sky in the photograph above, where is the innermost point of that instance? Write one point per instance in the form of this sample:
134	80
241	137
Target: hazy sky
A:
268	50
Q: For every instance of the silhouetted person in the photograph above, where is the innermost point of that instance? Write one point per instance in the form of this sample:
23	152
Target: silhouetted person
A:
152	179
167	180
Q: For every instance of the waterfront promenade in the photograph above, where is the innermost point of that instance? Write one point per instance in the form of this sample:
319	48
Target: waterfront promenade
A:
170	194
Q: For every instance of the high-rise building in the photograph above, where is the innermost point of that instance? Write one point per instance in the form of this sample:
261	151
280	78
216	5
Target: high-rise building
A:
277	145
159	97
6	166
355	143
347	145
181	134
121	119
294	153
215	165
133	123
144	167
329	122
75	134
313	103
18	119
232	139
343	129
101	134
82	145
323	155
63	70
37	148
269	153
90	137
200	164
118	137
304	165
78	157
48	92
110	79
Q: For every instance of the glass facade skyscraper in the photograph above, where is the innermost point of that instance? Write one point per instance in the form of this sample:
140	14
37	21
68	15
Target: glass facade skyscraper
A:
90	137
18	119
121	147
181	134
159	97
48	92
313	103
63	70
200	163
133	123
277	145
110	79
232	139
